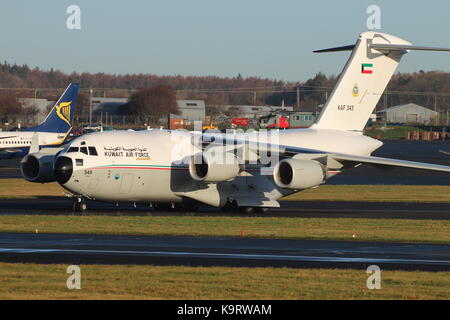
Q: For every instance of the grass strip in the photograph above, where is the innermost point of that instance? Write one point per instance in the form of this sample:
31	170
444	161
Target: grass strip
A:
354	229
41	281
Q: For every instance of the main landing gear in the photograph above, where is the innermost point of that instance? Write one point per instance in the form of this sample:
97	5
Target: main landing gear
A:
79	205
232	207
250	210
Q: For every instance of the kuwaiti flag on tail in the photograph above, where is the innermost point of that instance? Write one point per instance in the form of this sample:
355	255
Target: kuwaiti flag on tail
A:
366	68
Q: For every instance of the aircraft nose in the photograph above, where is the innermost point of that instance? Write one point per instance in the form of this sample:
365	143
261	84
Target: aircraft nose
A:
63	169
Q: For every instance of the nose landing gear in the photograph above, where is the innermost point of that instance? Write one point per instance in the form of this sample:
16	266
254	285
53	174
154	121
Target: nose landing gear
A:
79	205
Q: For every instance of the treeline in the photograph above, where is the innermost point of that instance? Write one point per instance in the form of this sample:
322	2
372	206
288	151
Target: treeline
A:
423	88
428	89
22	76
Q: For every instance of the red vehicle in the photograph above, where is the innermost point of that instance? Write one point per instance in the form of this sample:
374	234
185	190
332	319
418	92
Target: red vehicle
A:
283	123
274	121
240	122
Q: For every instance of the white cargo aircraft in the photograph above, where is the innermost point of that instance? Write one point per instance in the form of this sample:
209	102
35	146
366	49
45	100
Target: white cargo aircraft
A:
246	171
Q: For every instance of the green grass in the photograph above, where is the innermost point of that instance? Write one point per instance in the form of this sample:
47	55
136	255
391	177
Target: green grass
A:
40	281
20	188
391	132
374	193
398	230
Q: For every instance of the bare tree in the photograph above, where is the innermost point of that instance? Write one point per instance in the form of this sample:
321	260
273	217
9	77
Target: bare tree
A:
30	113
10	108
154	101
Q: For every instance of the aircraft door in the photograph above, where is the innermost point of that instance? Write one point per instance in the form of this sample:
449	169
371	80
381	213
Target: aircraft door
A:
127	183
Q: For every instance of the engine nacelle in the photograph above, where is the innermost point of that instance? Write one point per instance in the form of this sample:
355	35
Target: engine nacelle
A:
38	166
214	168
298	174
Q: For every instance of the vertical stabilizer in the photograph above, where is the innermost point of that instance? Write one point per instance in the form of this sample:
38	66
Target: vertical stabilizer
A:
362	82
60	118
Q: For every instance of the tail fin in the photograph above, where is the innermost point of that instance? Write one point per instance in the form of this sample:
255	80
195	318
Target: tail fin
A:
373	61
60	118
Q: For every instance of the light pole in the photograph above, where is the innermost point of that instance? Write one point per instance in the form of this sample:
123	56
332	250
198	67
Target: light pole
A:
90	108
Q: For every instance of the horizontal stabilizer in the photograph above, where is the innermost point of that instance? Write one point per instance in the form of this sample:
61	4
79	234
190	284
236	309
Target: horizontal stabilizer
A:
336	49
384	46
389	46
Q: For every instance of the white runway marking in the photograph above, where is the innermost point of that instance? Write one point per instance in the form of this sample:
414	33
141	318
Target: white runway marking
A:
241	256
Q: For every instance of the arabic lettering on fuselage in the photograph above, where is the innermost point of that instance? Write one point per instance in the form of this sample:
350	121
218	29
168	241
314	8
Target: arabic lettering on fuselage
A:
131	152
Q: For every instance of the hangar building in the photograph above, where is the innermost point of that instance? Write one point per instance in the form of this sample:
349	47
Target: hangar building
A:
192	110
409	113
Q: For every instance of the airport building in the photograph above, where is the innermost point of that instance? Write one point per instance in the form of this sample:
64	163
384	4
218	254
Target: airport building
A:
192	110
301	119
42	105
110	105
409	113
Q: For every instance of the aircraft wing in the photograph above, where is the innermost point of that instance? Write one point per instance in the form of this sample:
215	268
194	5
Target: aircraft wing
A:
289	151
390	162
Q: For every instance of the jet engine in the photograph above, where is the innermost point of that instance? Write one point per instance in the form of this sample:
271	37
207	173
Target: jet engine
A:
299	174
214	167
38	166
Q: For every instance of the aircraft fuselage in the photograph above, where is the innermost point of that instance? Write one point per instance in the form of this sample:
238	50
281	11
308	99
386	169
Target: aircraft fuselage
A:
152	166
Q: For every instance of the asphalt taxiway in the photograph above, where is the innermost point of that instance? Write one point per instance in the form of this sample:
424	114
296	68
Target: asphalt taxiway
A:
305	209
209	251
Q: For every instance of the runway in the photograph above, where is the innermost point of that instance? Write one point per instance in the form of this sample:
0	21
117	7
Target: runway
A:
207	251
195	251
305	209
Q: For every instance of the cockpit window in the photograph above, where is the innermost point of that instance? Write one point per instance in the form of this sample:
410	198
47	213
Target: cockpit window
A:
84	150
93	151
73	149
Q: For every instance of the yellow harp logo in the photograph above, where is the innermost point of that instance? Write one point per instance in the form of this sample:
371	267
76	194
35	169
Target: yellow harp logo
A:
63	111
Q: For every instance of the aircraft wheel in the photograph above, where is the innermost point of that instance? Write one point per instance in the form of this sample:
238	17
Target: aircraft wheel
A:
79	205
247	210
230	207
261	210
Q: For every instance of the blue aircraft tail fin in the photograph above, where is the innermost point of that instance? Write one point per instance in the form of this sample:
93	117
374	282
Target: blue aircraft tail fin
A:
60	118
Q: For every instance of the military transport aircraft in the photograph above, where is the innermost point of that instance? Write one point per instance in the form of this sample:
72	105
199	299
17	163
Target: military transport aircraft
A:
238	171
53	131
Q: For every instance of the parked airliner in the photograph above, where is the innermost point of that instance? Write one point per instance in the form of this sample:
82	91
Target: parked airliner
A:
242	171
53	131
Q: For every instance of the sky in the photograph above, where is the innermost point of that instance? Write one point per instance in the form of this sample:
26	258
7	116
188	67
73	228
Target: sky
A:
268	39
